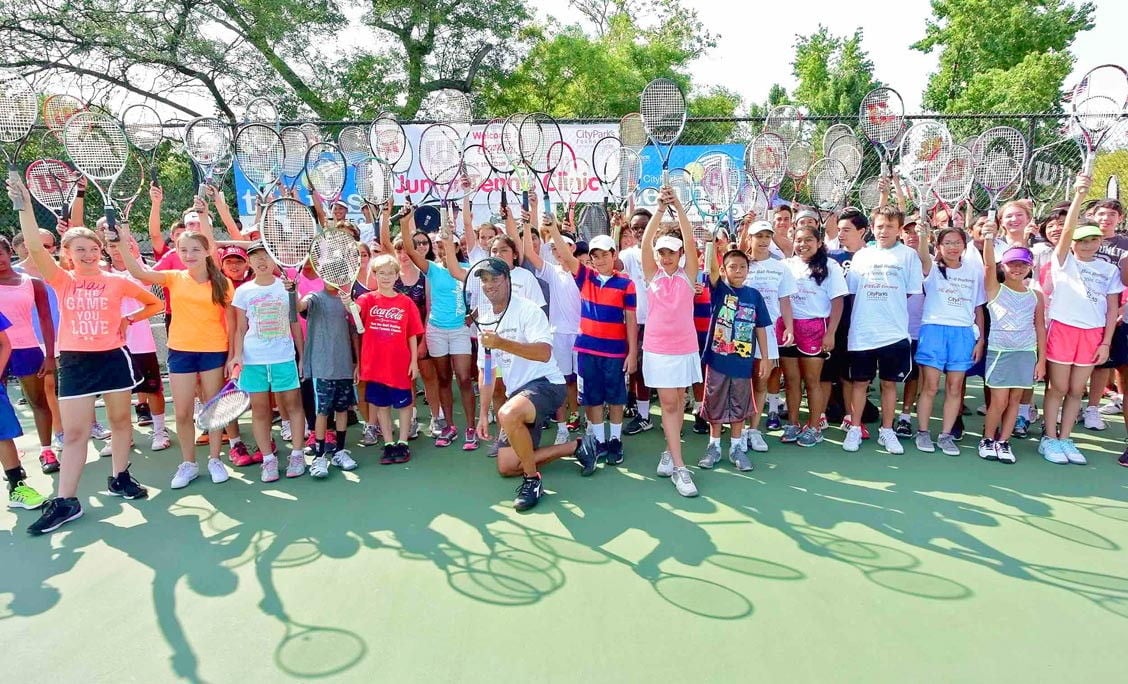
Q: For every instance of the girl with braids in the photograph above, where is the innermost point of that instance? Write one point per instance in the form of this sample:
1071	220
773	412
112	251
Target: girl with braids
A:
199	341
816	308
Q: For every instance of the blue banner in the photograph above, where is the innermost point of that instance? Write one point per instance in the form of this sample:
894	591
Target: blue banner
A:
680	157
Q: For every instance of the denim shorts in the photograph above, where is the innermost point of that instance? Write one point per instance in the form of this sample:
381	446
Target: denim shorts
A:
195	362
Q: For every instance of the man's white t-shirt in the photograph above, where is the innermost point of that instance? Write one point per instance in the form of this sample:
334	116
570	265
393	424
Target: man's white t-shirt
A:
1081	290
952	300
811	299
526	323
881	281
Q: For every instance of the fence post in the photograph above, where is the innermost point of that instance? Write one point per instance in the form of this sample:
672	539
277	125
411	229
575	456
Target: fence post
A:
1033	131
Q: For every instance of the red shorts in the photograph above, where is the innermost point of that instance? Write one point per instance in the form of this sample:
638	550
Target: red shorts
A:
1072	346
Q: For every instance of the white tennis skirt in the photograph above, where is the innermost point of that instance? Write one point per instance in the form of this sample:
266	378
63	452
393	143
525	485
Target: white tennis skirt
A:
671	370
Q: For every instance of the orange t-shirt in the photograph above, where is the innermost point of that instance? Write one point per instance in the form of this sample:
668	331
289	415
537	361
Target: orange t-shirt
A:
90	310
198	323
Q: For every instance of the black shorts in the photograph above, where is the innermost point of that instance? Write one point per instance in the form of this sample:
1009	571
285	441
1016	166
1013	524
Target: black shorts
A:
333	396
891	363
915	372
546	397
835	366
84	374
149	368
1118	350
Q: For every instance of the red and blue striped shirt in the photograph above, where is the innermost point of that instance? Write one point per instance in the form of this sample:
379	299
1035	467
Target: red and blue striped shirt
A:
603	313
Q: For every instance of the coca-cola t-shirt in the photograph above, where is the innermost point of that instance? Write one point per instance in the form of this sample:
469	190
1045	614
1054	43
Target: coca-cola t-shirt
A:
389	322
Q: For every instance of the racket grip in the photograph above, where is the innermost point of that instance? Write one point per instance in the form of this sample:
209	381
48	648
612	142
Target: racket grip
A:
153	177
355	311
201	192
1090	161
665	177
14	179
991	215
112	233
487	366
504	199
525	200
293	297
547	204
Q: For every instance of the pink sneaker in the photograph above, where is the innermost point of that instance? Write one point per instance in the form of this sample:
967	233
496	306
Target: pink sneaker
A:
241	458
471	442
447	436
270	469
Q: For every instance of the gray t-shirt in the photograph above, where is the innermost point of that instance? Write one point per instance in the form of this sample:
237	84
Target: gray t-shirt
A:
328	346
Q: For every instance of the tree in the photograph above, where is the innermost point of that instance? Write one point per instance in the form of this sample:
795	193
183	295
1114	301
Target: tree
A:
1001	55
834	73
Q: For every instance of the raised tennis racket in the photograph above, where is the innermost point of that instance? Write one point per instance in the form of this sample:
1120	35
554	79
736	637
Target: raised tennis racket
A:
1098	102
632	131
511	148
58	109
128	186
999	154
541	142
487	298
476	169
452	107
207	140
374	181
881	117
97	146
765	160
145	131
19	109
288	230
312	133
720	183
224	408
571	180
848	150
1112	187
835	133
260	154
828	182
326	170
869	193
926	149
353	143
53	184
387	139
295	144
786	121
594	220
1052	169
663	111
261	110
336	258
440	160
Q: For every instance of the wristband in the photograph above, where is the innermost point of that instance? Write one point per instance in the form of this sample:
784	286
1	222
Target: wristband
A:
80	193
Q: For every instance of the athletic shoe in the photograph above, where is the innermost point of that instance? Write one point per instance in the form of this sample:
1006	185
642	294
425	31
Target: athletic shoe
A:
1123	460
613	451
888	439
738	456
528	493
126	486
1004	451
637	425
587	454
48	461
286	431
666	465
712	456
433	428
700	425
774	422
270	469
161	439
470	441
402	453
56	513
343	459
574	422
239	456
809	437
319	468
447	436
958	429
388	457
1113	408
924	442
948	445
683	482
903	428
865	431
185	473
99	431
823	424
205	438
1072	453
1052	451
561	437
756	441
988	449
853	440
57	442
370	435
1021	427
790	434
296	466
144	415
218	471
23	496
258	455
981	409
311	443
1093	419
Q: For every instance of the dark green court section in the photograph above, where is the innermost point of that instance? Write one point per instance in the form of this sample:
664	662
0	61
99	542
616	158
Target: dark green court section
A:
819	566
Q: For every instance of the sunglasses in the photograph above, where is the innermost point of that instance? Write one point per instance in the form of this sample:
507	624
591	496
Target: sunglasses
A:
421	243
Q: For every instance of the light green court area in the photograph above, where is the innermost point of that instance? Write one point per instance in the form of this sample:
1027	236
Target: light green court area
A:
819	566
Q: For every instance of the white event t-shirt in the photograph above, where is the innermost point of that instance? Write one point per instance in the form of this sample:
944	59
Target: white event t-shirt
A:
564	314
811	299
268	322
526	323
773	279
881	281
1081	290
952	300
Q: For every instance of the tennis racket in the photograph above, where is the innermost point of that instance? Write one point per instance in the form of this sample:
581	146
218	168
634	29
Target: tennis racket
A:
288	230
721	181
440	160
144	130
353	143
511	148
570	181
19	109
1098	102
476	169
128	186
881	117
336	258
926	149
97	146
606	156
835	133
765	159
493	142
312	133
387	139
295	144
259	152
326	171
999	154
848	150
594	220
954	183
786	121
58	109
869	193
633	132
207	140
452	107
541	143
53	184
487	298
1051	170
828	182
224	408
374	181
663	111
261	111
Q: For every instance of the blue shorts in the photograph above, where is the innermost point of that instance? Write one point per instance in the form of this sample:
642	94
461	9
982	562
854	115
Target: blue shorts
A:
9	423
946	347
333	396
195	362
601	380
24	362
382	395
269	377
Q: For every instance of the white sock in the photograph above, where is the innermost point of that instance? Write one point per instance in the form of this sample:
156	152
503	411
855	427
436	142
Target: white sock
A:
617	431
643	409
592	430
773	403
601	432
285	425
158	421
297	452
269	457
905	417
234	442
742	440
714	441
1024	411
696	407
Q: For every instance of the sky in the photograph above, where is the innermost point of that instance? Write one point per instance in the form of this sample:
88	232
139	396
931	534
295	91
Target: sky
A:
750	61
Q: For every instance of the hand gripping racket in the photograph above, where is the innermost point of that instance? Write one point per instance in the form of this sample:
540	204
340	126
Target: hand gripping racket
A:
336	258
663	110
260	154
224	408
97	146
881	117
207	140
1099	101
144	130
487	297
999	154
19	109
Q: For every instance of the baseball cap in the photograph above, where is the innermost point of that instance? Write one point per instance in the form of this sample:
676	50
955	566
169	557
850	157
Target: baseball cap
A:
191	215
568	238
763	227
1017	254
492	266
668	242
232	251
603	242
255	246
805	214
1087	232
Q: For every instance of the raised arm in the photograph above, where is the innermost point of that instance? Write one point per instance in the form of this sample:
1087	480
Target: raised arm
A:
526	244
42	259
407	230
567	257
450	259
688	243
923	235
137	269
990	282
383	225
220	201
649	265
156	238
1080	191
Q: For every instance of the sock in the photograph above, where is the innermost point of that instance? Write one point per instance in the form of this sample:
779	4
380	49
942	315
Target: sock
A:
233	442
617	431
296	452
773	403
340	434
601	432
714	441
269	457
285	425
158	421
1024	411
15	476
592	429
696	408
905	417
742	440
320	447
644	410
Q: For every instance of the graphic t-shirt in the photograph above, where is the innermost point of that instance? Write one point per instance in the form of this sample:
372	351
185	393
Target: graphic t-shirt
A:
267	308
731	346
881	281
951	297
90	310
1081	290
389	322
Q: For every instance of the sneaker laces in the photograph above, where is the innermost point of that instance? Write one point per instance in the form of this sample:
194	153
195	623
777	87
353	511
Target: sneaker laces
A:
528	486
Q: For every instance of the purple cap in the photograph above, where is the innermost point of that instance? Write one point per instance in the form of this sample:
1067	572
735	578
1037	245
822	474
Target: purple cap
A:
1017	254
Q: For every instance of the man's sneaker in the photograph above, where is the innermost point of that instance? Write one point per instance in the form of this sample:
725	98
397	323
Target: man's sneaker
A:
574	422
790	434
388	457
948	445
683	482
637	425
1021	427
738	456
144	415
99	431
774	421
286	431
853	440
1003	449
185	473
587	454
370	435
1113	408
161	439
218	471
124	485
413	432
700	425
23	496
1123	460
470	440
447	436
48	461
613	451
665	465
756	441
528	493
1051	450
888	439
809	437
296	466
319	468
712	456
402	453
239	456
823	424
56	513
343	459
924	442
270	469
903	428
988	449
1093	419
1072	453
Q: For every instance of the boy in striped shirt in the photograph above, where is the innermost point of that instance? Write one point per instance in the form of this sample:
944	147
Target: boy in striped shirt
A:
607	346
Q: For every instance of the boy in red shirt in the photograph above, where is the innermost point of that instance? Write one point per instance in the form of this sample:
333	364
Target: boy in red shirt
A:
388	360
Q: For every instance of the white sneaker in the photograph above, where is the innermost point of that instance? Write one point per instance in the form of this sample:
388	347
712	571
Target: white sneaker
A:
683	481
924	442
270	468
562	436
666	465
161	439
99	431
756	441
888	439
343	459
286	431
1072	453
853	440
1113	408
57	441
319	468
1093	419
297	465
185	473
217	470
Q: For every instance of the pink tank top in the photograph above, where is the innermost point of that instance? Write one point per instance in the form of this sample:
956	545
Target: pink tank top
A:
669	322
17	303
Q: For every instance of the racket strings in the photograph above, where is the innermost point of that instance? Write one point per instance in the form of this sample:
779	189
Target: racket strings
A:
720	180
128	185
335	257
955	181
869	193
799	158
96	145
288	230
882	115
50	183
374	181
632	131
261	110
19	109
766	159
440	154
353	143
207	141
58	109
663	110
387	139
999	155
828	183
785	121
223	409
325	169
143	127
260	153
294	148
606	159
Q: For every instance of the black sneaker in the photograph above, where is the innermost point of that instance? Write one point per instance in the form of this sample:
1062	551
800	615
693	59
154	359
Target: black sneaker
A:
613	451
56	513
637	425
144	415
528	494
1123	460
389	455
700	426
125	486
402	453
904	428
957	432
587	454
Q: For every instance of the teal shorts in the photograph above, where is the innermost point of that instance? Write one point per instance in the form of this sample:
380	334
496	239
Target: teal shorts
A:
270	377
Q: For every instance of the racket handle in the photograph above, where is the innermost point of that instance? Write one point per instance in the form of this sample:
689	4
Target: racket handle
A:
504	199
1090	161
153	177
487	367
525	200
665	176
884	167
547	203
201	192
293	297
112	233
991	215
14	179
355	311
